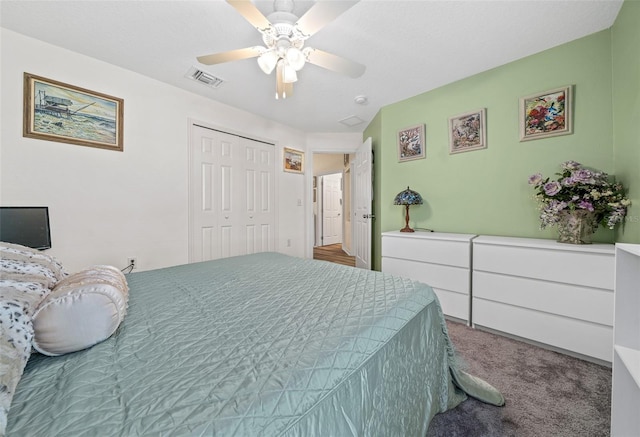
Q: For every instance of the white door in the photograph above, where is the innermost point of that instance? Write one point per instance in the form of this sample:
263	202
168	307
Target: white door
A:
332	209
231	199
362	214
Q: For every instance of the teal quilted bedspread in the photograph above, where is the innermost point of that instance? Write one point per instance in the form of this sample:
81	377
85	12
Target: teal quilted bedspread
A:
258	345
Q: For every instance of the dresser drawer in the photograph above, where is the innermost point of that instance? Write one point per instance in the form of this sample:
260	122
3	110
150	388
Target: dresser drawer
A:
454	304
454	279
432	250
581	267
578	336
578	302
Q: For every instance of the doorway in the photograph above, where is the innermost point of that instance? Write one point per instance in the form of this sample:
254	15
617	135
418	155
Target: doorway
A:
356	165
330	210
332	200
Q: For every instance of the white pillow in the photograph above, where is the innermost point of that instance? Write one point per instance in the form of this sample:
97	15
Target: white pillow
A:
23	263
81	311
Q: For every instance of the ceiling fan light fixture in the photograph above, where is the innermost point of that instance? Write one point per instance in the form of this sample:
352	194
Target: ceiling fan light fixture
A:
267	61
306	52
284	36
295	58
279	82
289	74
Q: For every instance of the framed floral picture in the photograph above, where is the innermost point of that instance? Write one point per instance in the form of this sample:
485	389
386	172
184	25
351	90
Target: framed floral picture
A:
468	131
546	114
56	111
293	160
411	143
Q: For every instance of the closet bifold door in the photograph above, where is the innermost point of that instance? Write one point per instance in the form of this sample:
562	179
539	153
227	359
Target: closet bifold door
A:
231	195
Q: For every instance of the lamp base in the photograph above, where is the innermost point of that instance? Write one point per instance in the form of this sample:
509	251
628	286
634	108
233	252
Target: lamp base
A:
406	220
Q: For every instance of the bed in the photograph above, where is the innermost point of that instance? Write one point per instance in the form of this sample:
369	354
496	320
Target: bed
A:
256	345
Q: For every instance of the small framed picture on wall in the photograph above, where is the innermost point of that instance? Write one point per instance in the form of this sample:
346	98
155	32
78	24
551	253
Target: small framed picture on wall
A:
468	131
293	161
411	143
546	114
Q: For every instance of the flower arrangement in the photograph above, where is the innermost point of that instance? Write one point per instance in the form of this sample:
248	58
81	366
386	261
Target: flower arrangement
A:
578	188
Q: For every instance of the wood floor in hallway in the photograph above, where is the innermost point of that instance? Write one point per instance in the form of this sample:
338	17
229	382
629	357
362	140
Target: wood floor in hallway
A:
333	253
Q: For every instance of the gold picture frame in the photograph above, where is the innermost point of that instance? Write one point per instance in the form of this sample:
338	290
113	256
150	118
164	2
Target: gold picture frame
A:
293	160
57	111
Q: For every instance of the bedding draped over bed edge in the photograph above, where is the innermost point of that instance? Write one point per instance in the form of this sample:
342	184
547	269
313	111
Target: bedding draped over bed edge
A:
258	345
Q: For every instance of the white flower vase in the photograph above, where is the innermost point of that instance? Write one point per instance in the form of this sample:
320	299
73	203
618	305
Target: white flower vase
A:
576	226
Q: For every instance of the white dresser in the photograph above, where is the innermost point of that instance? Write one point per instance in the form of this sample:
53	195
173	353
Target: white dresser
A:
553	293
440	260
625	396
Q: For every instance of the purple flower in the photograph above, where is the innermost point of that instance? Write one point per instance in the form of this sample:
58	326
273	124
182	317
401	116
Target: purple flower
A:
585	204
570	165
535	179
552	188
578	188
583	175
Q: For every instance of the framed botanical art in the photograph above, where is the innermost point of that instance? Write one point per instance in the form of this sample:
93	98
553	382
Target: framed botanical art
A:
468	131
293	160
546	114
56	111
411	143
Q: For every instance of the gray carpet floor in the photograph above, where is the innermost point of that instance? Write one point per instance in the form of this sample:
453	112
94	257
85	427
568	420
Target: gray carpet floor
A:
547	393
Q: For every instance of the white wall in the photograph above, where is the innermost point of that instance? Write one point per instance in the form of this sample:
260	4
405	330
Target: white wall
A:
106	206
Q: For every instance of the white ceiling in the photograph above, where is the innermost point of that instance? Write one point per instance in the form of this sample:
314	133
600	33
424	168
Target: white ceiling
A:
408	47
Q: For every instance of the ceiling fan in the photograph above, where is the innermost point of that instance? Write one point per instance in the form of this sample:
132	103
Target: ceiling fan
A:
284	35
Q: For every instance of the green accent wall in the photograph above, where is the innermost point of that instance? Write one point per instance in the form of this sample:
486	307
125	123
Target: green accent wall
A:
625	36
486	191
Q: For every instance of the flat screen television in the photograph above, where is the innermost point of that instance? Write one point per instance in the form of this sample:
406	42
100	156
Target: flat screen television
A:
25	225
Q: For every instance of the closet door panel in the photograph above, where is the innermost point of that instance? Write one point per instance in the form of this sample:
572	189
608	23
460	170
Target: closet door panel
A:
232	195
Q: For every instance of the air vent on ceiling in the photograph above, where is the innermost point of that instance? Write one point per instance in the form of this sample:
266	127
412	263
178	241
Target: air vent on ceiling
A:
351	121
203	77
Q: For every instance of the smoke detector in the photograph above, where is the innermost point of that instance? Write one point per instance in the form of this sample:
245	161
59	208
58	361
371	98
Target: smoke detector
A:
361	100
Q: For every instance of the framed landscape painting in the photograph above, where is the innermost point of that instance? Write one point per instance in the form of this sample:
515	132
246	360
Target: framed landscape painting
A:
546	114
411	143
293	160
468	131
56	111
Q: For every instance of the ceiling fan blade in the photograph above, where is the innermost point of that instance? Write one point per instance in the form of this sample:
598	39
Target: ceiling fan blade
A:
335	63
251	13
231	55
321	14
